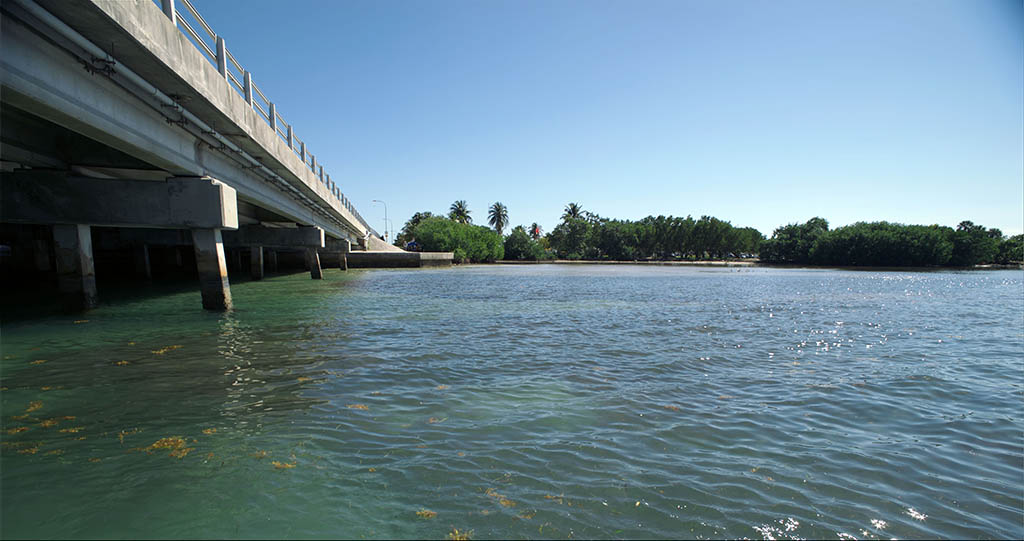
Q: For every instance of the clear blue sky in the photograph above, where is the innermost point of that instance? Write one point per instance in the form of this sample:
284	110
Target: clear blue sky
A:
760	113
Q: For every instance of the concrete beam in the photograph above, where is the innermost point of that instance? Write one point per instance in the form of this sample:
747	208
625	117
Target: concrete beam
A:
276	237
76	273
48	197
43	79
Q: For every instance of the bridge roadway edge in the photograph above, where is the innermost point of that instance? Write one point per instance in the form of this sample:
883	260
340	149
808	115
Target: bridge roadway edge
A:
139	36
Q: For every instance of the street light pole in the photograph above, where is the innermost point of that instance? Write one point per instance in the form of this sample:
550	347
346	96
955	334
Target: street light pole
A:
385	217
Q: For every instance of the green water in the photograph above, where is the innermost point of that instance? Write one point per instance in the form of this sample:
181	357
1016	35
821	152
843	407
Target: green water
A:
537	402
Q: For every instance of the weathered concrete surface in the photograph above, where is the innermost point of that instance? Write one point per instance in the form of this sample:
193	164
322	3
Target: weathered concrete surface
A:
43	76
401	259
375	244
276	237
213	269
76	272
54	197
139	35
436	259
313	262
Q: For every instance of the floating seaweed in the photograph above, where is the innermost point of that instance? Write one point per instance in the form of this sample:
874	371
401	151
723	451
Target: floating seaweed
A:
671	407
45	388
165	349
21	417
209	431
357	407
433	420
303	379
122	363
48	423
372	470
283	465
180	453
95	460
527	515
505	502
460	535
39	361
80	321
259	454
123	433
72	430
441	387
34	405
68	418
55	452
426	513
175	444
559	498
29	450
17	429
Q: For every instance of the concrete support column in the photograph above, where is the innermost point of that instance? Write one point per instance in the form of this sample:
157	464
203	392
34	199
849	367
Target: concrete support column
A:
213	269
256	262
272	260
313	262
76	273
41	253
346	247
140	253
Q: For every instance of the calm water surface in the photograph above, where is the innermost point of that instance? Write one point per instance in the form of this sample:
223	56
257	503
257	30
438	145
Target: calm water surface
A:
526	402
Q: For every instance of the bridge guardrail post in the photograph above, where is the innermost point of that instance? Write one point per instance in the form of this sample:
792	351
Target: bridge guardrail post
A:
222	57
273	118
168	6
248	88
291	145
302	152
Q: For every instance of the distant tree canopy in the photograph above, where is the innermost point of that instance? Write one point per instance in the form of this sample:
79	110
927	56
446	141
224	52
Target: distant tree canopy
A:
469	243
889	244
590	236
519	245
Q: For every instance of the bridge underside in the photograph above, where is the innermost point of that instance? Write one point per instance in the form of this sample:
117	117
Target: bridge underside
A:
88	165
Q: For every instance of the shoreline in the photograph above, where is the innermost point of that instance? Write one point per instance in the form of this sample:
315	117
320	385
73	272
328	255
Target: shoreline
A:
752	263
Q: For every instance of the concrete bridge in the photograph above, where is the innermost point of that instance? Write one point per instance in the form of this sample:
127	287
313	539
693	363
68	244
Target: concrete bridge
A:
131	123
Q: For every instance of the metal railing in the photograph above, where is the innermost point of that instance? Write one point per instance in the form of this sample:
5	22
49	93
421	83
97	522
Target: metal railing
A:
196	29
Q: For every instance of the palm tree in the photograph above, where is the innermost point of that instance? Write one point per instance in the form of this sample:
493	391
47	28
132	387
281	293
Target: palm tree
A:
459	212
535	231
498	216
572	210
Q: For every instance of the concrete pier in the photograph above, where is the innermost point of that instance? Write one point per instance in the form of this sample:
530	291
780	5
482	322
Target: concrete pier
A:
256	262
213	269
140	254
76	273
313	262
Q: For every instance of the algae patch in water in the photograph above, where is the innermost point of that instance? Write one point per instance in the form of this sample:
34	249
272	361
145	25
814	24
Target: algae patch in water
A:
283	465
34	405
426	513
165	349
460	535
175	444
209	431
357	407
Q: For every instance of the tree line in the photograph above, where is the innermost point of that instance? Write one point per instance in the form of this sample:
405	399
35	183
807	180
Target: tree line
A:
583	235
890	244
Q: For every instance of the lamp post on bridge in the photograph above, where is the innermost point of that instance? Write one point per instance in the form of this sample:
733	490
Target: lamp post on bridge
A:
385	218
